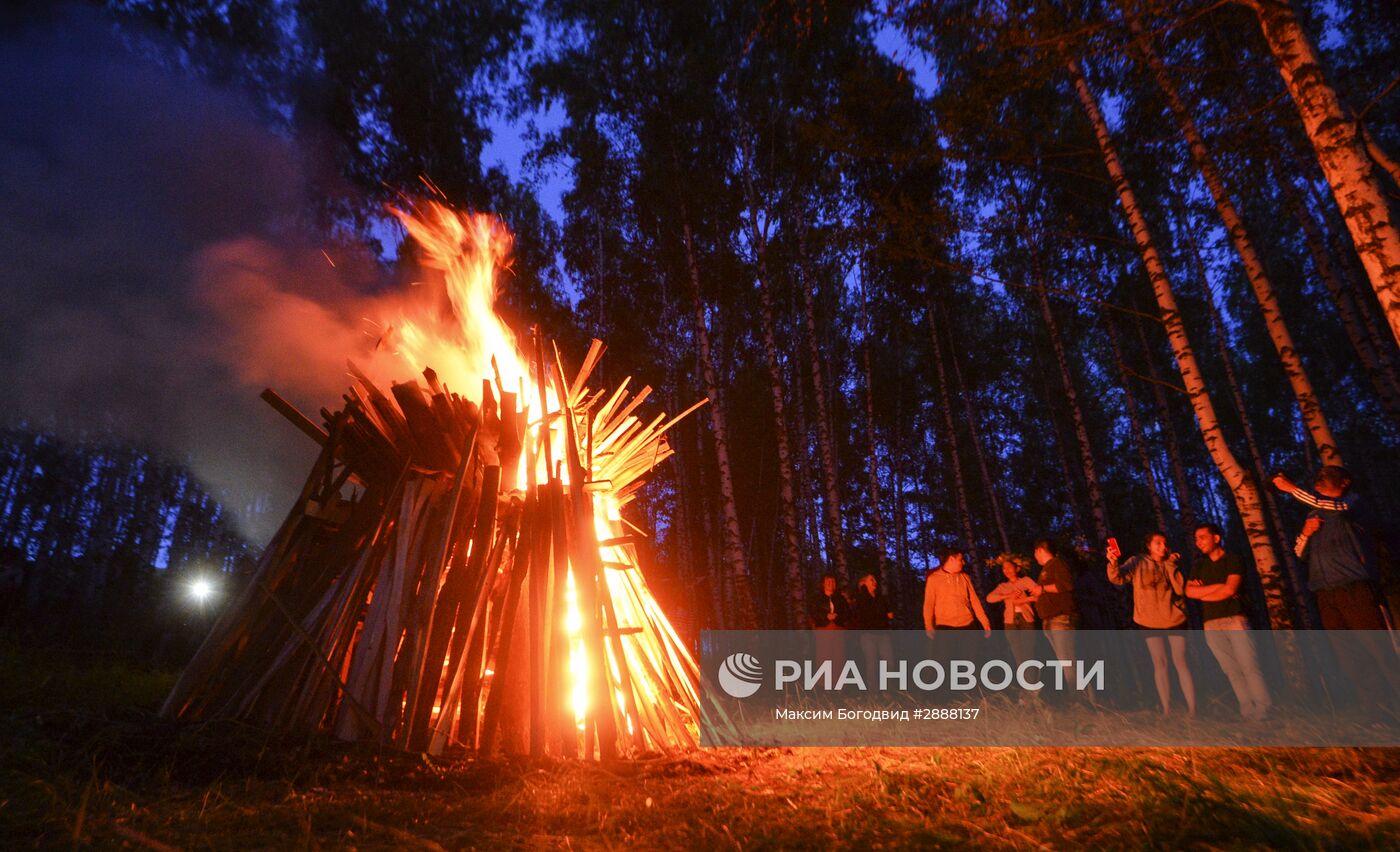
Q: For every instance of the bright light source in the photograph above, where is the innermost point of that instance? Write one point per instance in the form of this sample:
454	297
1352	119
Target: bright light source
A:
201	590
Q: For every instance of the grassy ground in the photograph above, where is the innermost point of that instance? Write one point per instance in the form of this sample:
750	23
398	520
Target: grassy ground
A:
83	762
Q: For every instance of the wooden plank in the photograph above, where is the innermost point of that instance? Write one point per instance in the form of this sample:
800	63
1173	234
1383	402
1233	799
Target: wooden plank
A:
603	414
541	372
441	600
621	540
299	420
539	580
613	632
450	633
596	348
503	662
631	407
422	423
558	709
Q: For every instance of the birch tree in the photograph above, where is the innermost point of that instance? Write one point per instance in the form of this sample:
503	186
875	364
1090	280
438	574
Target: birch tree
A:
1288	355
1241	484
758	222
735	563
1341	151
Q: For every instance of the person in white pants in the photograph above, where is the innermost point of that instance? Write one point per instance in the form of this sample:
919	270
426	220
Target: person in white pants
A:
1216	578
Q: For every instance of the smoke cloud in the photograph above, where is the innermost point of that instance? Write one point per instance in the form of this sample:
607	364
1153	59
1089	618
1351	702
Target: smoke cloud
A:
153	274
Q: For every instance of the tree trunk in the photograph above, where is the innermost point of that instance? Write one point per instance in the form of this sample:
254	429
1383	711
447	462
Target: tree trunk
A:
1379	156
1341	151
904	562
1295	568
1378	371
1144	454
791	549
1062	455
1364	299
954	456
970	411
1097	508
927	436
872	459
831	502
693	527
1240	482
898	579
1308	406
1222	348
1162	408
1344	258
805	464
735	565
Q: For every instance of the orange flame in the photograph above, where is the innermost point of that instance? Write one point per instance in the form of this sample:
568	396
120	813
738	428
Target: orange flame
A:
460	342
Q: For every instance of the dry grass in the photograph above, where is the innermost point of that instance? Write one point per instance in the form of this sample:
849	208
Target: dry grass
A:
102	772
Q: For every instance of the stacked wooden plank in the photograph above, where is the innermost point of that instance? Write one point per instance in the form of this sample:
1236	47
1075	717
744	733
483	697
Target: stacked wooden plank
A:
455	575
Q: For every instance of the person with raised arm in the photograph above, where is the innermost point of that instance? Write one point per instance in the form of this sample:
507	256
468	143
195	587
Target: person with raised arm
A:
1159	610
1339	571
1342	576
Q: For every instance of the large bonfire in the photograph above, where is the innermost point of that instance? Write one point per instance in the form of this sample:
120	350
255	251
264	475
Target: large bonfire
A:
458	573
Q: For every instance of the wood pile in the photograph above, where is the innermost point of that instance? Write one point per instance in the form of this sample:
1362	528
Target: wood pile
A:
455	577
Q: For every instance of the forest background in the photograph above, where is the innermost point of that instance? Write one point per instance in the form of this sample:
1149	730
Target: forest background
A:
948	273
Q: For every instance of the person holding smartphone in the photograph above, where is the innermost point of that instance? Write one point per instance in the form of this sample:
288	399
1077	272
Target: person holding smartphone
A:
1159	609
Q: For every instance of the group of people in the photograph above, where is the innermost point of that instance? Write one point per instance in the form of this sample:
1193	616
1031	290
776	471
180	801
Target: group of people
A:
1340	575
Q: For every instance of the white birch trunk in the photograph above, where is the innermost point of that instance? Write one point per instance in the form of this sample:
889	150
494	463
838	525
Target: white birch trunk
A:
1241	484
791	550
1313	419
736	566
1341	151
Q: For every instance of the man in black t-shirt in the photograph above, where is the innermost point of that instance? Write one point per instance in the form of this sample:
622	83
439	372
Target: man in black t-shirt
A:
1216	578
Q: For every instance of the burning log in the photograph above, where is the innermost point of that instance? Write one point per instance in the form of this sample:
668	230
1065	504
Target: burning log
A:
456	574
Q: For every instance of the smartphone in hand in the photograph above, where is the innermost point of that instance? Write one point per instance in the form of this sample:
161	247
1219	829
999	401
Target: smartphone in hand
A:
1113	550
